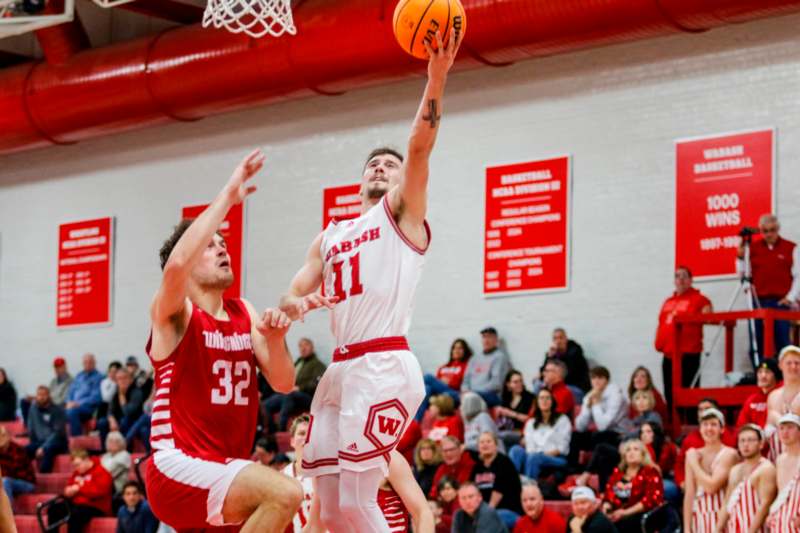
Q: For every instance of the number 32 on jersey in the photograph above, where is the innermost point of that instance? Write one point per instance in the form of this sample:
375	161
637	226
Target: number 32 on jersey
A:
234	378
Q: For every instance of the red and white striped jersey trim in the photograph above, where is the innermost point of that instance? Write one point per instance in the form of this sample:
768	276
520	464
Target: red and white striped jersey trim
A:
786	508
742	507
775	445
395	513
704	511
161	435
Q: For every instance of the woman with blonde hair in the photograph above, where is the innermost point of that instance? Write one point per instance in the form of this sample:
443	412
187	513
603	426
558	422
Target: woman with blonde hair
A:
427	458
634	488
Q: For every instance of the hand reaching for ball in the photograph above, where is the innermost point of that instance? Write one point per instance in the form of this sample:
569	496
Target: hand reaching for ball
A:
441	59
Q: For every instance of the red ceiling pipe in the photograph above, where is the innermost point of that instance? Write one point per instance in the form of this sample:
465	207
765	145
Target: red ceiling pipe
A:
61	42
190	72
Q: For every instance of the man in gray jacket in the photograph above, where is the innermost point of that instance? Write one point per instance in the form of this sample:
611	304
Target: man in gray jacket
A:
486	372
47	428
475	515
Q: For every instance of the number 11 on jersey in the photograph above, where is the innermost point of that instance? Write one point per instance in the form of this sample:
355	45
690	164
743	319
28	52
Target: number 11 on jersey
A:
355	278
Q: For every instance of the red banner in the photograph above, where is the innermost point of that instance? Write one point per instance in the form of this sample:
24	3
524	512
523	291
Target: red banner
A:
341	203
723	183
85	253
232	229
526	246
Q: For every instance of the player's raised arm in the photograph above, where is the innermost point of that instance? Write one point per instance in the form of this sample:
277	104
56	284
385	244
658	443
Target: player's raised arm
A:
410	198
170	300
302	296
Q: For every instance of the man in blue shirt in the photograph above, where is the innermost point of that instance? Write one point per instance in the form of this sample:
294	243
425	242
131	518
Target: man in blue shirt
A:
135	516
83	397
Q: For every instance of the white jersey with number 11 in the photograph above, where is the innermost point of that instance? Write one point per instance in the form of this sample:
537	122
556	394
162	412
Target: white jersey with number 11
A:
374	270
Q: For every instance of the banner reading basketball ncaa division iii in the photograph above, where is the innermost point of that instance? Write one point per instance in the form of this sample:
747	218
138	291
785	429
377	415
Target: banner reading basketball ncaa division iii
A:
526	241
723	183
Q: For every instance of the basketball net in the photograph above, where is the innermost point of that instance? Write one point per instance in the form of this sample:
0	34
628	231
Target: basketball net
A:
256	18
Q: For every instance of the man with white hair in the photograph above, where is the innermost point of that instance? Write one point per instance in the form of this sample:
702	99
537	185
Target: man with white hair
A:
785	398
586	516
784	514
774	266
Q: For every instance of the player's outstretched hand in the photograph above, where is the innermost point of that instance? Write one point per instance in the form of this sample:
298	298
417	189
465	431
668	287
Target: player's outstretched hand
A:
441	59
274	323
297	307
237	188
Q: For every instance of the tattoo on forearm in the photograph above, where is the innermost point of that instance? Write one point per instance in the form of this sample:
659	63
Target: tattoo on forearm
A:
433	117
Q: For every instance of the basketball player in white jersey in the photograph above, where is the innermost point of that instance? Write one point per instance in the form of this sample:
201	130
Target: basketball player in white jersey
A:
784	514
370	266
707	470
751	487
785	398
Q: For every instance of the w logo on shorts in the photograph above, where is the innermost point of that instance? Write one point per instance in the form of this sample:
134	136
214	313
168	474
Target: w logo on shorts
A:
385	424
388	426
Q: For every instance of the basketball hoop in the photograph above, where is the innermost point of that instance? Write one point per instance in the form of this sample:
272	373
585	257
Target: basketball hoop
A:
256	18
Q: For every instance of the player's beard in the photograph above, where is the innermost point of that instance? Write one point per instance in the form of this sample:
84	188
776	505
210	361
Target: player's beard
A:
377	191
219	282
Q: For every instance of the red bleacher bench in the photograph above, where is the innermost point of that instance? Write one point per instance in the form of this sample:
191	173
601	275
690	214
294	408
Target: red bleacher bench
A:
102	525
63	464
87	442
14	427
564	508
26	503
27	524
52	483
283	440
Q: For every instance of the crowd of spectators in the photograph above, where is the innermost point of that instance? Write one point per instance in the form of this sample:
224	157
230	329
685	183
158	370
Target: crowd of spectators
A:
488	445
114	406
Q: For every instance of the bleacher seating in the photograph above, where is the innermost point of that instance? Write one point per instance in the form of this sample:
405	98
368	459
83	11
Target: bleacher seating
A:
52	484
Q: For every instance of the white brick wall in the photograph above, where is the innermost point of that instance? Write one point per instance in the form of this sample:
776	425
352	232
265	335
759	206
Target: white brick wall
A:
616	109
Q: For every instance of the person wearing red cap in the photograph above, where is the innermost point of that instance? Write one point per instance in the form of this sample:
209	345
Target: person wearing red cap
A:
59	385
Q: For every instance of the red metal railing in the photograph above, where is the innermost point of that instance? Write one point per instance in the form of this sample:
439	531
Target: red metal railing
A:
683	397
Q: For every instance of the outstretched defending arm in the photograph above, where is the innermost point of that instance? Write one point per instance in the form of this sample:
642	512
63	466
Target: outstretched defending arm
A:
168	310
409	200
268	335
302	296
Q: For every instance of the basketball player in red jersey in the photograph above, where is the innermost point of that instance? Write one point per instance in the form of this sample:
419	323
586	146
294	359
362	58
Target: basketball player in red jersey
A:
205	350
370	266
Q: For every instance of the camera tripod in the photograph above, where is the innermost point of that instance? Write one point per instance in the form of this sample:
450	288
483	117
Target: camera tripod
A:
747	288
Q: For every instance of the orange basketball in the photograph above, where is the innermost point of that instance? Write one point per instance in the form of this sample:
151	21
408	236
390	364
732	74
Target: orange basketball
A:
416	21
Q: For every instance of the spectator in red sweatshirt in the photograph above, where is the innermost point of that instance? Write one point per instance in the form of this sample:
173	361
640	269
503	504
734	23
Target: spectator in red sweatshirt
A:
695	440
754	410
88	492
553	377
458	463
446	420
449	376
686	300
447	503
537	517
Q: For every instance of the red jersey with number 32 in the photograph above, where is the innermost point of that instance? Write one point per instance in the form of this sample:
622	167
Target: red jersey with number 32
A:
374	270
206	396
